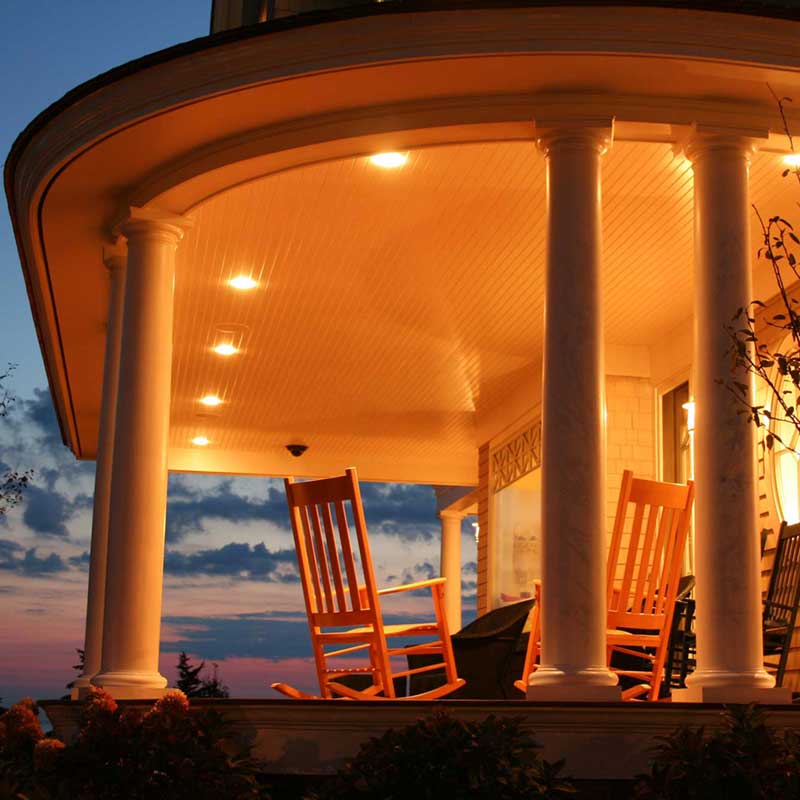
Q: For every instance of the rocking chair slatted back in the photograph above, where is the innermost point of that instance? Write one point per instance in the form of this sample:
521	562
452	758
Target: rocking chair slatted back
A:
341	597
644	595
329	569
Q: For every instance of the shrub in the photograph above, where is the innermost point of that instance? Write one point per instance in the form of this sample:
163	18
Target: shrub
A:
165	752
441	757
744	760
20	733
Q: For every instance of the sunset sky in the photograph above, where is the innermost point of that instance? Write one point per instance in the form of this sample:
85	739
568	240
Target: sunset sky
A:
231	593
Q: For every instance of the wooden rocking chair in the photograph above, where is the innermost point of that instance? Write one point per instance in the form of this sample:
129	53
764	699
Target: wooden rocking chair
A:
642	581
344	612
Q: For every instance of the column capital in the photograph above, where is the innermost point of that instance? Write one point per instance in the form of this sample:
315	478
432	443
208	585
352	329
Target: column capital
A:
447	514
579	132
150	221
698	140
115	256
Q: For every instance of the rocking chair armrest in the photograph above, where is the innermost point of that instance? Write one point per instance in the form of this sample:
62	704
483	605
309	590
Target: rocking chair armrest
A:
407	587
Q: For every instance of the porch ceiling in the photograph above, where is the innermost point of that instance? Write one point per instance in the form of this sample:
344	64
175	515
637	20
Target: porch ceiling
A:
396	307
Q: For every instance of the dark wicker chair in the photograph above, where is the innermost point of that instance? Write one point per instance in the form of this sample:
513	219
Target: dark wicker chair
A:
781	605
485	656
782	601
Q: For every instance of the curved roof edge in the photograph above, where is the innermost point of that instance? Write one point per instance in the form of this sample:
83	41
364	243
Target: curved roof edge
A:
780	9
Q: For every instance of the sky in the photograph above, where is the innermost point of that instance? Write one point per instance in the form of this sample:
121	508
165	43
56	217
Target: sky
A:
230	589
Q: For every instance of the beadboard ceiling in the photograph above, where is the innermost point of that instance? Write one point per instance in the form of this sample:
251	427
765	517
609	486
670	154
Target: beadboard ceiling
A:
393	307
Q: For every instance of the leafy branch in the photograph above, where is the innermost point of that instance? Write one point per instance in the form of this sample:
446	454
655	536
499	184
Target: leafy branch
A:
12	482
773	360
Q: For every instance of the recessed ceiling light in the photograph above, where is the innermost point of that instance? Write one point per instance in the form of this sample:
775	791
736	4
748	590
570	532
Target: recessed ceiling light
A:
793	160
200	441
225	349
210	400
243	282
389	160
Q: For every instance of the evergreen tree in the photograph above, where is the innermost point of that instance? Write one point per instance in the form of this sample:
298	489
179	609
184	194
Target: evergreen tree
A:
79	667
189	676
213	686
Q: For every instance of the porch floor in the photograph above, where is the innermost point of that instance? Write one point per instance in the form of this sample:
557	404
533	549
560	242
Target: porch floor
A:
600	741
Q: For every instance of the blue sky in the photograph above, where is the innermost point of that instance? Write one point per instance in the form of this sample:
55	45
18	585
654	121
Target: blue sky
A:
231	593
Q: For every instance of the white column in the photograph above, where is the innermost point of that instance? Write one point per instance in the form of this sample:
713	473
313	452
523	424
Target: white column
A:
132	619
93	642
729	635
573	660
450	566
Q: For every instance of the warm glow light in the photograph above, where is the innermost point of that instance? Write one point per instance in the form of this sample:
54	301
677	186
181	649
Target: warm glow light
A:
689	415
243	282
210	400
200	441
792	160
226	350
389	160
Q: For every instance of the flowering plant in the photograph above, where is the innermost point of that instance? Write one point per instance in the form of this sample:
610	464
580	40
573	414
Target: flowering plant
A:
126	754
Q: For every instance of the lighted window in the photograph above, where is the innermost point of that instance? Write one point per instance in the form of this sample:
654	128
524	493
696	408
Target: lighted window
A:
516	541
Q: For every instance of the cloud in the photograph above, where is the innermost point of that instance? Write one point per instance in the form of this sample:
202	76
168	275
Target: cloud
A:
407	511
272	635
188	508
238	560
15	558
419	572
81	561
46	511
30	438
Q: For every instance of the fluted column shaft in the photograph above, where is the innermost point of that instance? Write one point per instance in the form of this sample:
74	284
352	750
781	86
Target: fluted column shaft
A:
132	618
727	558
573	662
98	549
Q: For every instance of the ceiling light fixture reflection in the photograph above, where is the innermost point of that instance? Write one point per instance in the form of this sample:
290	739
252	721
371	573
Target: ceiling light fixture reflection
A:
243	283
226	349
211	400
389	160
792	160
200	441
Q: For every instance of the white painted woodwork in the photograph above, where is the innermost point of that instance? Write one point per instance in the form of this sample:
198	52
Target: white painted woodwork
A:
132	617
98	552
573	658
729	627
450	566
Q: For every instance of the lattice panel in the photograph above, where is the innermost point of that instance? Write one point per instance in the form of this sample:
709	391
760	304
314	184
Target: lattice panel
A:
518	457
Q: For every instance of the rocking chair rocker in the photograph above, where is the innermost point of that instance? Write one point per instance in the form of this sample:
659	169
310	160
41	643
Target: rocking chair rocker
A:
344	612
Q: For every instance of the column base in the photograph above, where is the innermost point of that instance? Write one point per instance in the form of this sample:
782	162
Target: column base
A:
132	685
720	686
592	685
733	694
80	687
